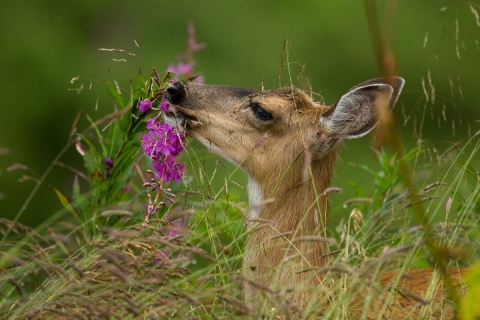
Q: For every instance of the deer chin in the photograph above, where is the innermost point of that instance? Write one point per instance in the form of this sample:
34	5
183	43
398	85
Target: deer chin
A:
180	120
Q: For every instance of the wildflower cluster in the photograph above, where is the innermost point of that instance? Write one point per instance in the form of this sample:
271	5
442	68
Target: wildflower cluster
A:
163	144
109	165
185	69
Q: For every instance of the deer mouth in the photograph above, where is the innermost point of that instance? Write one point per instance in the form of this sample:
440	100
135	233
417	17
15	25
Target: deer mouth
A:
177	117
178	114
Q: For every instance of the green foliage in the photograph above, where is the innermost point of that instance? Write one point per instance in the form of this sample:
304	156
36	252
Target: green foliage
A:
121	146
114	92
470	304
65	202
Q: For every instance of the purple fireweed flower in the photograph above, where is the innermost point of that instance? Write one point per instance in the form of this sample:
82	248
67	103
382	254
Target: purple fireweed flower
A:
108	162
169	169
172	68
164	106
162	140
200	79
163	143
109	165
144	105
193	45
172	233
185	68
182	68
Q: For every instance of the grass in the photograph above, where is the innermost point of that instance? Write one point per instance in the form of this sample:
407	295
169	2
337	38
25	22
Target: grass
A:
96	259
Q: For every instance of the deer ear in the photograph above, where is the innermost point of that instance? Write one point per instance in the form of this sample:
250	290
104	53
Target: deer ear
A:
356	112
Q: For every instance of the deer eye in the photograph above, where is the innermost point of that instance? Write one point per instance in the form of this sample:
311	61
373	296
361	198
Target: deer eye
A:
261	113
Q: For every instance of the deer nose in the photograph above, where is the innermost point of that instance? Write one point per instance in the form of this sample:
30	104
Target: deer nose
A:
175	92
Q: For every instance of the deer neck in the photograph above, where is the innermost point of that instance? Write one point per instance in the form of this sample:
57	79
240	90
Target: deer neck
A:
292	201
277	248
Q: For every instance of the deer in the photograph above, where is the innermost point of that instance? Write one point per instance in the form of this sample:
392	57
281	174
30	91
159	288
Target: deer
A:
287	144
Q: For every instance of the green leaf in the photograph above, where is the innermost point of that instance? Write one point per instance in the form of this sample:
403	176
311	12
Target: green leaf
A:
422	262
142	126
125	121
98	190
114	139
79	200
411	154
366	168
470	303
468	168
141	87
99	135
119	100
92	159
358	191
122	170
135	106
76	187
65	202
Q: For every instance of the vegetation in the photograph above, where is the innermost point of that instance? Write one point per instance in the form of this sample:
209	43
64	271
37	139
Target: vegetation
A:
100	257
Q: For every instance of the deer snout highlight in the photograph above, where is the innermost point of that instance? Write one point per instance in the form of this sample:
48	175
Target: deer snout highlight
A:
175	92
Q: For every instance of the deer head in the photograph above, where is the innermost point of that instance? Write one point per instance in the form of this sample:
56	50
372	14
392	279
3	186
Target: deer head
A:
266	132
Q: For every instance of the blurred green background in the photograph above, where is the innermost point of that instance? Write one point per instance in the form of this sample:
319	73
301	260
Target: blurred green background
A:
44	44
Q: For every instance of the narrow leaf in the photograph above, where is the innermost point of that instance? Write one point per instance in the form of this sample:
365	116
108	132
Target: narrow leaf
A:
112	90
470	303
65	202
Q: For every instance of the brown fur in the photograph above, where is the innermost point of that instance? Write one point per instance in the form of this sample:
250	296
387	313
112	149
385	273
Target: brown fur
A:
292	158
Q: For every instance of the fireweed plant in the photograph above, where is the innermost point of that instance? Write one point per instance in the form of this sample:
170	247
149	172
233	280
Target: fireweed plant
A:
109	170
163	143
